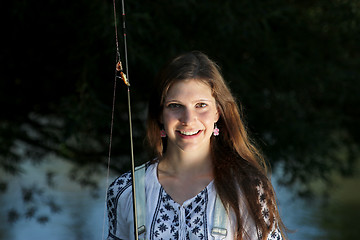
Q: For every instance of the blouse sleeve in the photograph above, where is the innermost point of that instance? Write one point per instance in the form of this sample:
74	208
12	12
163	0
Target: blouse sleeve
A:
119	208
275	232
274	235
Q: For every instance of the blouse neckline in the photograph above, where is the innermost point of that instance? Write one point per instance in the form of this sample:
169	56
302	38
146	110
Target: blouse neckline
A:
209	188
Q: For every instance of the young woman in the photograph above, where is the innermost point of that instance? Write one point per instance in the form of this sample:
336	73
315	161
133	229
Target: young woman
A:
202	151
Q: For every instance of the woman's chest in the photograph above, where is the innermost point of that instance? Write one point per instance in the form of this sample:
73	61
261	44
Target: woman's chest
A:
169	220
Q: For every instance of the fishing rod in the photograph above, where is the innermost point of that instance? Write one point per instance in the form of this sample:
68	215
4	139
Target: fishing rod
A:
119	74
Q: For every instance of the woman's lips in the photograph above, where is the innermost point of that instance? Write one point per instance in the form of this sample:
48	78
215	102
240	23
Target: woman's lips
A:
188	134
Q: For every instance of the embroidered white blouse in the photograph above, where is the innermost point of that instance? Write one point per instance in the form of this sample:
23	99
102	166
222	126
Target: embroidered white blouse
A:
165	218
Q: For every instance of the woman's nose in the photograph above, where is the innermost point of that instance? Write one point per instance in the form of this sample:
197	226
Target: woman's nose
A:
188	117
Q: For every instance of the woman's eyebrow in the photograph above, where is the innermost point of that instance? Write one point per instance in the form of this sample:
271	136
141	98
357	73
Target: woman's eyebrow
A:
195	101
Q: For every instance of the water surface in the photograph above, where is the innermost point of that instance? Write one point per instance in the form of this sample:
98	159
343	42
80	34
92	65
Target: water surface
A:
81	216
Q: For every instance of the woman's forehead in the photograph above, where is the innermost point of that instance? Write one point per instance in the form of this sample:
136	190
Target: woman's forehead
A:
189	89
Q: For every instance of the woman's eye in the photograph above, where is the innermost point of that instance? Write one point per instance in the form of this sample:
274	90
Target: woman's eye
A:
201	105
173	105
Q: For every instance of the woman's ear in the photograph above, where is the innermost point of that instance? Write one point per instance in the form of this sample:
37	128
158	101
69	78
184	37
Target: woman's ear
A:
217	116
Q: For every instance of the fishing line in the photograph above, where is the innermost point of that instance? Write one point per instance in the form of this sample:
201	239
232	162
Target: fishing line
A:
120	74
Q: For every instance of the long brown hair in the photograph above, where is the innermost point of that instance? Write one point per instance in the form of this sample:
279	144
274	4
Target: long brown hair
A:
236	160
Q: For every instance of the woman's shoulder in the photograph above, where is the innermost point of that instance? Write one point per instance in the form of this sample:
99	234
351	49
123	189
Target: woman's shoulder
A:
120	185
123	183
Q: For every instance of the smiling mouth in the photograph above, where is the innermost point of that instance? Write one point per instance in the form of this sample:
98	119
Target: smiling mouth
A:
192	133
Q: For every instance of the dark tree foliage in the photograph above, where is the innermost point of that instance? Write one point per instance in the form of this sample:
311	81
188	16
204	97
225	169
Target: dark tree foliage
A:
293	65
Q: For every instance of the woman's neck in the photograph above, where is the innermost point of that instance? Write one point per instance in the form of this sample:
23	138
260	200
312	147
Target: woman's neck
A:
186	164
184	174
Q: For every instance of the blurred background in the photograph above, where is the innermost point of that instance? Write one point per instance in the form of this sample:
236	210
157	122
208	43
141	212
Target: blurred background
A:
293	65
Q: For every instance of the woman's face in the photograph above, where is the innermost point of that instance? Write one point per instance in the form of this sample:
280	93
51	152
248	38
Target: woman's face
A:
188	116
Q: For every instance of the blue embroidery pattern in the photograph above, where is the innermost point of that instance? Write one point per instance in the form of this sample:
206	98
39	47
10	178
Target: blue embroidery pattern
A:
275	233
166	221
115	190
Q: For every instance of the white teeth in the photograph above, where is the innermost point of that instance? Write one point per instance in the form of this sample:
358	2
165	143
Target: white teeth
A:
188	133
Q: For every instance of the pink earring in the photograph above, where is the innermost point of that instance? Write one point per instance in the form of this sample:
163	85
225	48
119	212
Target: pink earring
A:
216	130
162	133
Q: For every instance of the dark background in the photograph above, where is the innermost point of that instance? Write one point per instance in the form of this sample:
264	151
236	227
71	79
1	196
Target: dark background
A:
293	65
